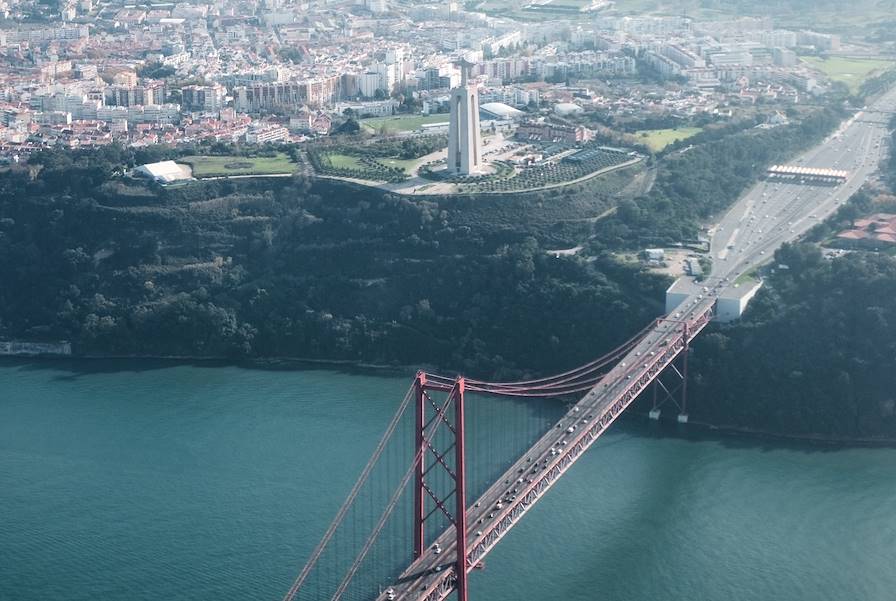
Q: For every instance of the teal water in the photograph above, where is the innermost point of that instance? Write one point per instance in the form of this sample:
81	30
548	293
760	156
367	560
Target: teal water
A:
133	481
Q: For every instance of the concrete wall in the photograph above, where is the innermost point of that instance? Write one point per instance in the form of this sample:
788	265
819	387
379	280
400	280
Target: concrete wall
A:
674	299
733	303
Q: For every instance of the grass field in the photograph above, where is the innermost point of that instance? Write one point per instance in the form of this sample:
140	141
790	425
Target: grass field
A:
657	139
747	279
403	123
216	166
851	71
344	161
788	14
406	164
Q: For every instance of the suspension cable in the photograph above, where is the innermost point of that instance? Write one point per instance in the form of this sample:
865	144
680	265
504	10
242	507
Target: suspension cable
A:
544	383
389	508
362	479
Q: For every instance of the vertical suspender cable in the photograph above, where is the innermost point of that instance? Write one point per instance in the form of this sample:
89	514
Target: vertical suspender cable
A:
312	561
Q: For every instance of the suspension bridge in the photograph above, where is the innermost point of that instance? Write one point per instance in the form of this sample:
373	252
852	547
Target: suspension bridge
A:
441	490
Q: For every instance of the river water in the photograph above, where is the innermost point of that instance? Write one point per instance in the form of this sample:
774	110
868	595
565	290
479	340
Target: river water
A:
147	481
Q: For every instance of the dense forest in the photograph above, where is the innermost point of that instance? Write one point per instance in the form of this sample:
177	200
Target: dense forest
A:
260	268
813	354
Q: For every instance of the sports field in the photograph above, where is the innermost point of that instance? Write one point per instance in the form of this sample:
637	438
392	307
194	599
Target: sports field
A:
851	71
402	123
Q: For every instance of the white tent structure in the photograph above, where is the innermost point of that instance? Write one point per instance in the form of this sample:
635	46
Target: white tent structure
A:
165	172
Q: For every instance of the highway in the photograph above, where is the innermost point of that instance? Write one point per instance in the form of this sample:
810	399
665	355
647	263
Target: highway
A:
768	215
774	212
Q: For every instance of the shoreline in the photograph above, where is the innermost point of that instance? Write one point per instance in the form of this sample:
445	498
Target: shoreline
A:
380	369
730	431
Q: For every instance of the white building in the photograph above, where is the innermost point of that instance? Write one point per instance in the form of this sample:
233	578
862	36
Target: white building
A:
164	172
732	303
567	108
369	83
375	108
262	135
499	110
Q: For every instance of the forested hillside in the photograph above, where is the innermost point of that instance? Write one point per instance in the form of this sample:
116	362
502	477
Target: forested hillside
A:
324	270
814	354
695	183
283	268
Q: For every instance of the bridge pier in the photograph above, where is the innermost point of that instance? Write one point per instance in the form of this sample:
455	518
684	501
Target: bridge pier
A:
683	415
655	410
669	393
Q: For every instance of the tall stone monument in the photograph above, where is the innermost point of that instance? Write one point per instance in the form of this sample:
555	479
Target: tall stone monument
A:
464	139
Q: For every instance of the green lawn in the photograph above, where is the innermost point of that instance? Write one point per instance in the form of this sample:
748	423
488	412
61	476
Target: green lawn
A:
657	139
402	122
747	279
858	15
788	15
406	164
214	166
344	161
851	71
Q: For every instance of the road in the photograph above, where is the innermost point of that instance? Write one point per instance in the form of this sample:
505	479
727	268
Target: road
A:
774	212
765	217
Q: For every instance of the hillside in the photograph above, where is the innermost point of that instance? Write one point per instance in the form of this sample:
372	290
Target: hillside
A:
813	355
261	268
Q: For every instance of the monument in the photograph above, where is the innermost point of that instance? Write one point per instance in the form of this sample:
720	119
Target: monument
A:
464	139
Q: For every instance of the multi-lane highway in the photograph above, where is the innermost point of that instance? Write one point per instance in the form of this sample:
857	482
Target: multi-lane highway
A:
774	211
768	215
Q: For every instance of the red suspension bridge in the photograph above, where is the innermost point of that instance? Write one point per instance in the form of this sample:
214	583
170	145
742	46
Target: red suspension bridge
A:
438	495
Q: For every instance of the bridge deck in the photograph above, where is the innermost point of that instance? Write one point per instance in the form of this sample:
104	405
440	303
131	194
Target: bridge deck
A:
432	576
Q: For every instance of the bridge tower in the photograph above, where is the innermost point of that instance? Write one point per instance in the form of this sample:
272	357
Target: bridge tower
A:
423	449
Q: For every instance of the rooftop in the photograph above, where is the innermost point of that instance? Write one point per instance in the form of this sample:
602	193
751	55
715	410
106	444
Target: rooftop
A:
165	171
880	227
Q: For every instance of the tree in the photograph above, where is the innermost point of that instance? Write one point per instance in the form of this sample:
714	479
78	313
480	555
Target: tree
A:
349	127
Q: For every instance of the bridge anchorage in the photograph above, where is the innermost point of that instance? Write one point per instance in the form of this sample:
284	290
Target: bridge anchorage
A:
407	531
